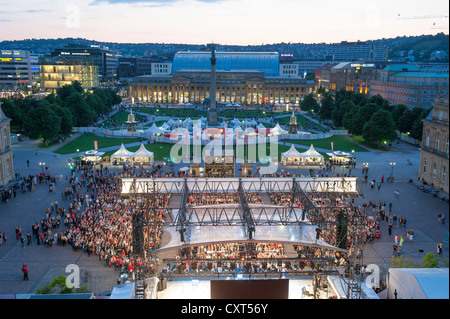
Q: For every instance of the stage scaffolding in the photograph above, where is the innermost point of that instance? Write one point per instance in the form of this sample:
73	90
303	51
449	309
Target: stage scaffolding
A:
326	203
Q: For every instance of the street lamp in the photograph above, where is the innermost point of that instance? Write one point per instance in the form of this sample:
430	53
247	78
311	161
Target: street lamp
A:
42	164
392	169
366	166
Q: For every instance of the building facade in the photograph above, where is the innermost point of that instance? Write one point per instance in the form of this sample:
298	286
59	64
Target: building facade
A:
56	73
358	51
102	57
247	87
129	67
18	69
6	154
434	149
406	84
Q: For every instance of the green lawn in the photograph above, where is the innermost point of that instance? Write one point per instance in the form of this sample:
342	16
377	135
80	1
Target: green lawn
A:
86	142
340	144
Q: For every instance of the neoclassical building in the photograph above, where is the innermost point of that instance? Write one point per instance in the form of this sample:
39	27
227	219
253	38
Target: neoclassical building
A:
244	77
6	156
434	149
232	86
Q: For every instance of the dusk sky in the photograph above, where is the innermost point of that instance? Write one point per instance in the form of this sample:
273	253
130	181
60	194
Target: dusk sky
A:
238	22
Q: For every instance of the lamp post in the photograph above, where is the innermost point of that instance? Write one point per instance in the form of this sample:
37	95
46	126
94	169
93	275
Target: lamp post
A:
366	166
42	164
392	171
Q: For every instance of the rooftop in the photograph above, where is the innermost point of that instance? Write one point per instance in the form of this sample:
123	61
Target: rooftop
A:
421	74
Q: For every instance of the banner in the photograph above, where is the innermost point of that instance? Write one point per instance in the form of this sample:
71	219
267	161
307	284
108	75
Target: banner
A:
95	145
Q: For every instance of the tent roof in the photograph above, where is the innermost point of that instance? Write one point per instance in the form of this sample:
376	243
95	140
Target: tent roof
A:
124	291
292	152
143	152
311	152
433	281
154	129
122	151
278	129
260	125
170	121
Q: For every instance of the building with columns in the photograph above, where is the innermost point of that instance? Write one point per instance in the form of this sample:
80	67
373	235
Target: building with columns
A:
6	156
247	87
244	77
434	149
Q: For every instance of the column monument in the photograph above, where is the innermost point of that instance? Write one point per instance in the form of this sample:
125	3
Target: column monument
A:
212	117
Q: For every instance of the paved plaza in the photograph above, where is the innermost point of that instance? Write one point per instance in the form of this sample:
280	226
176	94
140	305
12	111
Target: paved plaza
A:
420	209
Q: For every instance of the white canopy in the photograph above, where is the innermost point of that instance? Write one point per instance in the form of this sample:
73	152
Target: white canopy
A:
261	126
154	129
170	121
311	152
124	291
122	152
142	152
223	123
253	122
203	119
278	130
418	283
235	121
292	152
165	126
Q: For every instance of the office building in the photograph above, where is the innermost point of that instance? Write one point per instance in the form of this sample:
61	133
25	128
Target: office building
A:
102	57
129	67
18	70
434	149
57	72
358	51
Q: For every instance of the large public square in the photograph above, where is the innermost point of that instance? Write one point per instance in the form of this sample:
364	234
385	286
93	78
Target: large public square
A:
45	263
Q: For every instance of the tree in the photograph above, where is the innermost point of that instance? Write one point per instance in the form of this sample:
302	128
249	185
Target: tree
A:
65	91
430	261
362	116
397	112
77	86
380	128
417	129
12	111
81	111
341	111
327	107
66	119
95	103
309	103
42	122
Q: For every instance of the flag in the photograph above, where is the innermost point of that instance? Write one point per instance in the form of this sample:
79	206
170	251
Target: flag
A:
96	145
332	146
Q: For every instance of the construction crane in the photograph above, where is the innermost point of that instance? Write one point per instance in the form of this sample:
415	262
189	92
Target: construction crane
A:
431	16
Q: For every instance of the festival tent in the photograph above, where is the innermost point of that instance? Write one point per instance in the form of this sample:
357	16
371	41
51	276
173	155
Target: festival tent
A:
154	130
93	156
122	155
123	291
142	155
277	130
253	123
291	157
418	283
170	122
235	121
339	157
311	156
165	126
203	119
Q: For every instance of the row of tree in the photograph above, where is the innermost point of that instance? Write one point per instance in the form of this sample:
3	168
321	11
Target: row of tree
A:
55	115
372	118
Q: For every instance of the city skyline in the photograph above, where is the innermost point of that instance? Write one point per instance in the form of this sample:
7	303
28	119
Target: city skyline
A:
229	22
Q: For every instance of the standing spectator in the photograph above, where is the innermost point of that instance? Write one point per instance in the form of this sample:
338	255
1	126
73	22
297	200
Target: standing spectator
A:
25	272
390	229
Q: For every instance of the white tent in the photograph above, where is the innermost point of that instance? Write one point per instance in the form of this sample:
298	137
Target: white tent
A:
122	156
277	130
124	291
311	156
165	126
291	157
235	121
203	118
142	155
170	122
339	157
155	130
418	283
93	156
253	122
261	126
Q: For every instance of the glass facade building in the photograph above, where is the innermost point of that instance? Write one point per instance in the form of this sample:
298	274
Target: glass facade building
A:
266	62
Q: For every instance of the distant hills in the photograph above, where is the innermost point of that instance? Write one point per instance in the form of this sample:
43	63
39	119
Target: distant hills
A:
421	47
